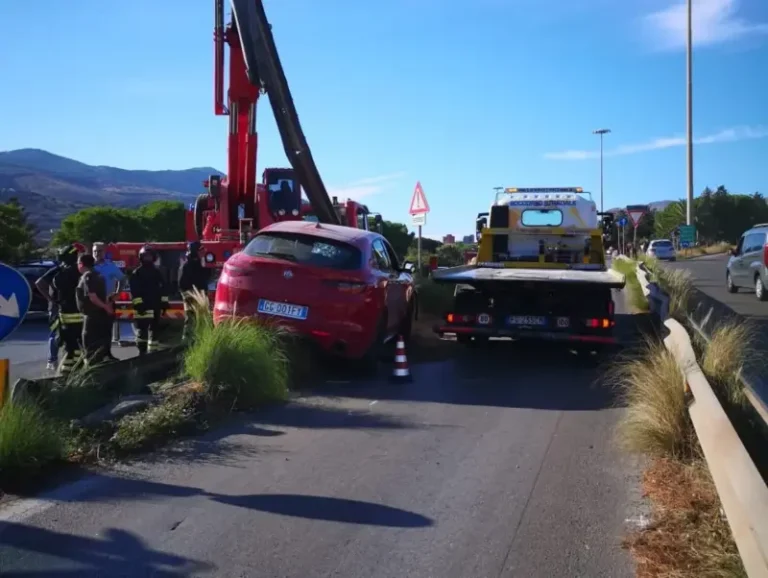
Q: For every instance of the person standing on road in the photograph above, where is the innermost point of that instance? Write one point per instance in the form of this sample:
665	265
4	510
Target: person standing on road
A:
192	275
44	285
150	299
97	311
70	319
113	277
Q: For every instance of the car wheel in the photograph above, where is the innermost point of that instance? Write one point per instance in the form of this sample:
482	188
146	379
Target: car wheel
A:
369	362
760	289
729	283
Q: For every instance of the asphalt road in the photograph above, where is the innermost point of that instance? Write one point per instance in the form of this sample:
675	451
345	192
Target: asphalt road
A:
499	462
27	349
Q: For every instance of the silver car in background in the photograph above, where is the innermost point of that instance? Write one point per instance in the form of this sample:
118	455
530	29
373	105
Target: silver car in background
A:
661	249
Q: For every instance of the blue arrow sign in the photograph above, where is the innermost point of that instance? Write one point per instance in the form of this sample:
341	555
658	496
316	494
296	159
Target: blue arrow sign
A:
15	299
623	222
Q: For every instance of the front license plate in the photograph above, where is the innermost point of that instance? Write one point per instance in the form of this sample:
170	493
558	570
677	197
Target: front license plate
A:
283	309
527	320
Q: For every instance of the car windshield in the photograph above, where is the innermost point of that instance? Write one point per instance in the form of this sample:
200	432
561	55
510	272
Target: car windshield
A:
661	244
305	250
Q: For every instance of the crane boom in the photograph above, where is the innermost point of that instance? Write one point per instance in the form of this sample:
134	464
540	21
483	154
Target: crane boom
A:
264	68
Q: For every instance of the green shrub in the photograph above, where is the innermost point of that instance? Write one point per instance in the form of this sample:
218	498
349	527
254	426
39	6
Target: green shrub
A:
28	439
237	359
172	416
434	298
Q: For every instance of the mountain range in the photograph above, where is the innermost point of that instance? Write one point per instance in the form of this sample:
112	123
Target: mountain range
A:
50	186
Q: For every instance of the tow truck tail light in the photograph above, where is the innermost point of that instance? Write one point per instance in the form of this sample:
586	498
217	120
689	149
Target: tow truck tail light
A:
351	287
454	318
610	308
124	296
600	323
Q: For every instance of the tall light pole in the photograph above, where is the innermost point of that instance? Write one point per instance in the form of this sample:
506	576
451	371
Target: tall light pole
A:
602	132
689	115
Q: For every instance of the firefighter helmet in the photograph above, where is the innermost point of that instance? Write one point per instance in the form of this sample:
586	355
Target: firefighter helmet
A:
147	254
67	255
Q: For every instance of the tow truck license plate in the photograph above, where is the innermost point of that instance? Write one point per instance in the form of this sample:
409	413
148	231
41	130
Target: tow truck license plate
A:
283	309
527	320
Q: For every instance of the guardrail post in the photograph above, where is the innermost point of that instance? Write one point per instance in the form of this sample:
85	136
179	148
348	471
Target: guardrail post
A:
5	379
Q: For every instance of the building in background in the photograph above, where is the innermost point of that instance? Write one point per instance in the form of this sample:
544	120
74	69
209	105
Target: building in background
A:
468	239
449	240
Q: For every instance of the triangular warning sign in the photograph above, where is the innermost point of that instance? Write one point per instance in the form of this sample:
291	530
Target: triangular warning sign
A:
635	216
419	204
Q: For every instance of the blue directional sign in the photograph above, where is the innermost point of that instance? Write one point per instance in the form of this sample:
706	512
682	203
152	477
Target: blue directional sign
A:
15	299
622	222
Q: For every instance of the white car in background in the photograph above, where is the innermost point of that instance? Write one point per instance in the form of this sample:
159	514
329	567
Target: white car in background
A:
661	249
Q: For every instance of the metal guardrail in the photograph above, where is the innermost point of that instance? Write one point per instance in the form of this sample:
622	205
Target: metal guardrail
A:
742	490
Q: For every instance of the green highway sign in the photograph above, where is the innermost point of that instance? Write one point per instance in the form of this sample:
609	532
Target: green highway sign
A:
687	235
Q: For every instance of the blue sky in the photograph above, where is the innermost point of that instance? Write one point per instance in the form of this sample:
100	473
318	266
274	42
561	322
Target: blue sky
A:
461	96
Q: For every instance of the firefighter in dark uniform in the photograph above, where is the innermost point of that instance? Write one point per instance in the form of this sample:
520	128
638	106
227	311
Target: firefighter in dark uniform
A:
70	319
192	275
150	299
96	309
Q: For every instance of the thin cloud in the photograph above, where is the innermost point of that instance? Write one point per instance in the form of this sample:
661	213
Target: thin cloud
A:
724	136
365	187
714	22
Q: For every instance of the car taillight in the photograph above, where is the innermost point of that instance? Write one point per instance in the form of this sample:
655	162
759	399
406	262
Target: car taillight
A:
124	296
765	254
600	323
610	308
353	287
454	318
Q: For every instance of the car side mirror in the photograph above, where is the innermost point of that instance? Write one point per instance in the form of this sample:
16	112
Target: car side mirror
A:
734	252
408	266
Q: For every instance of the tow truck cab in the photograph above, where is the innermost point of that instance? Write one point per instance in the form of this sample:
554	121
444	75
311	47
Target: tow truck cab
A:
540	272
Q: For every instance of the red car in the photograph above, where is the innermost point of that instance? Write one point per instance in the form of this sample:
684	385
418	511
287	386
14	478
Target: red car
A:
343	287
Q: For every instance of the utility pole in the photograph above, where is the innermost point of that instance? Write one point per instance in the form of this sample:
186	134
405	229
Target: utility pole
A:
602	132
689	115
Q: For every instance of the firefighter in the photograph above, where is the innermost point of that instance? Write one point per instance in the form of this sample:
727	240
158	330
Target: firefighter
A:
97	311
70	328
192	275
150	300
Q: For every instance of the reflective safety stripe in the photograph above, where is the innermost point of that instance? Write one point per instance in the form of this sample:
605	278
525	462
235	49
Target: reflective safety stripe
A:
68	318
164	299
137	301
145	315
55	325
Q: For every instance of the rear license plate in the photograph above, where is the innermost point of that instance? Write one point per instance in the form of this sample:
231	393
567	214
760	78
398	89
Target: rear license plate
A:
527	320
283	309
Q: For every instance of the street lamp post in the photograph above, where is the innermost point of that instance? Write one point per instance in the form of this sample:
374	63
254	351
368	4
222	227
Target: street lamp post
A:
689	115
602	132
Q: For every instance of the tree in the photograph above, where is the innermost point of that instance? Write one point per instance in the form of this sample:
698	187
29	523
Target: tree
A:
164	221
107	224
450	256
17	235
398	236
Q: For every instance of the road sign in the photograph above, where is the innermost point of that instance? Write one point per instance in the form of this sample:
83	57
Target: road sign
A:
687	234
419	204
15	299
419	219
622	222
636	213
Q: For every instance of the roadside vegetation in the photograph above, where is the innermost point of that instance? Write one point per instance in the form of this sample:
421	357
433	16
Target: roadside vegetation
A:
714	249
688	534
628	268
434	298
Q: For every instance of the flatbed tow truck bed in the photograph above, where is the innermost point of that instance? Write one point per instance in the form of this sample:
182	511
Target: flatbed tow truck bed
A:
473	273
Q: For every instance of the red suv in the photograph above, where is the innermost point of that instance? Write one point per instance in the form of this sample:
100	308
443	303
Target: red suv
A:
343	287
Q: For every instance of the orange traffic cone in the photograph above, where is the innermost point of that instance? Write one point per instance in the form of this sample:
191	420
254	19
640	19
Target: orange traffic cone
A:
400	372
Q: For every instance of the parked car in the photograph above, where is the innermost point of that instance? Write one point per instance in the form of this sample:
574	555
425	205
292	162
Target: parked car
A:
661	249
748	262
32	271
344	288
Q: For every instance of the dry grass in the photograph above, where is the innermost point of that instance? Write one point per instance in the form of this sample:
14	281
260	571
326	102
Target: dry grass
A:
688	535
724	357
716	249
656	421
678	284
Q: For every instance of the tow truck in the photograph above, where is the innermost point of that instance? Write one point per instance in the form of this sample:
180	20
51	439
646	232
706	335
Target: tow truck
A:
540	272
235	206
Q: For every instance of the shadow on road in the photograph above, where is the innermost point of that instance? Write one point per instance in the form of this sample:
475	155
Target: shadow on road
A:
329	509
23	548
